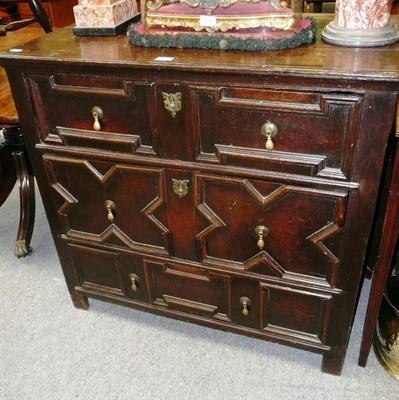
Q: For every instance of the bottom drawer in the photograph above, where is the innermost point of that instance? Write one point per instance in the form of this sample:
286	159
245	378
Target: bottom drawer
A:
271	309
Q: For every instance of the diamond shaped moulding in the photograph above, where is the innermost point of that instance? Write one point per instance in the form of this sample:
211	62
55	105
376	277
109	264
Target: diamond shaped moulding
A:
103	13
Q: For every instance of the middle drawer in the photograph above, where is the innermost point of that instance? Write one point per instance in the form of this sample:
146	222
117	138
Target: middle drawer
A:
265	228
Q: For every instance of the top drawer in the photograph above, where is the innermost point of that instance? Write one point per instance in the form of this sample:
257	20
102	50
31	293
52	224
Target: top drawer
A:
102	113
310	133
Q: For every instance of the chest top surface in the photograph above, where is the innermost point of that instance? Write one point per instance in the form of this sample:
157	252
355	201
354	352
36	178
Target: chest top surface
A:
317	60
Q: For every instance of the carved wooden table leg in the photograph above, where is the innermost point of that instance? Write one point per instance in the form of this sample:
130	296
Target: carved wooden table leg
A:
14	142
27	203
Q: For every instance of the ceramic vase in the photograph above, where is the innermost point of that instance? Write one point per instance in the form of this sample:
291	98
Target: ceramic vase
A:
361	23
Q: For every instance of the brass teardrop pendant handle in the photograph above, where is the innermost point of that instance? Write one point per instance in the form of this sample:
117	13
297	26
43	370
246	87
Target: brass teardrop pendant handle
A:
261	231
246	303
135	280
111	207
270	131
98	115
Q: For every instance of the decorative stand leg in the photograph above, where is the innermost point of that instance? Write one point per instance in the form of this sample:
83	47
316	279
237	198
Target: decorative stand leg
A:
21	166
27	203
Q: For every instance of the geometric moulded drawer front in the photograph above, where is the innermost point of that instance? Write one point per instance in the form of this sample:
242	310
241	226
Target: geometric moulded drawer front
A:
109	203
303	227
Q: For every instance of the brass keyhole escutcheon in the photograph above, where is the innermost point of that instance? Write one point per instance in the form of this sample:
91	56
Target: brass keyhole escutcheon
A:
180	187
111	207
270	131
98	115
172	102
261	231
135	280
246	303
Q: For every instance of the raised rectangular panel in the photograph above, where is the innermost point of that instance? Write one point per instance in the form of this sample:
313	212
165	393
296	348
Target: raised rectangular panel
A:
188	289
109	272
316	131
295	313
125	125
97	269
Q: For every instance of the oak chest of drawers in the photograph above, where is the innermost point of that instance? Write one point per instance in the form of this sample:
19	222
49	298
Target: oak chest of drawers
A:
235	190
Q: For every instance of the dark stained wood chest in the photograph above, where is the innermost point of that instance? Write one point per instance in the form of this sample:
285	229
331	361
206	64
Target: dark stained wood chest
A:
161	194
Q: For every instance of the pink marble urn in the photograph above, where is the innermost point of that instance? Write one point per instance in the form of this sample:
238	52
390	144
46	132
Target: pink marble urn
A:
361	23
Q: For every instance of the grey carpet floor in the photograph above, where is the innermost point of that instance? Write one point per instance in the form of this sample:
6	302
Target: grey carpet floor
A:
50	350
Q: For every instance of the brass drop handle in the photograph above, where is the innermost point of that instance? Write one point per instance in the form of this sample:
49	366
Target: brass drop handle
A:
135	280
261	231
270	131
97	114
111	207
246	303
